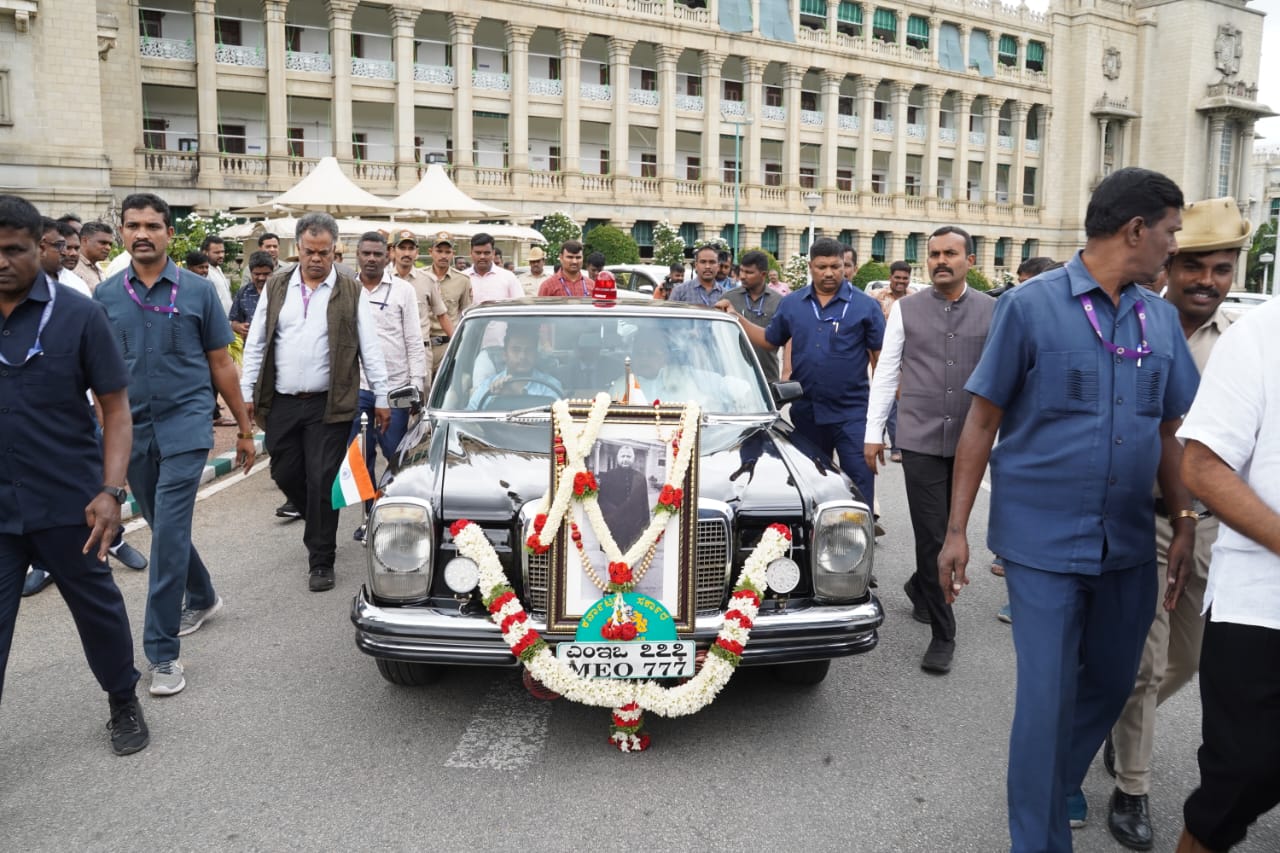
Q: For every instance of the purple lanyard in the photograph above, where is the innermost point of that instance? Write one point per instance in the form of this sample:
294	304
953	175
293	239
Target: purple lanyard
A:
306	297
567	292
171	308
1138	353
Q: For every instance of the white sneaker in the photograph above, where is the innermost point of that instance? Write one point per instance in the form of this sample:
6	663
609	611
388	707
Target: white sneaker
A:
193	619
167	678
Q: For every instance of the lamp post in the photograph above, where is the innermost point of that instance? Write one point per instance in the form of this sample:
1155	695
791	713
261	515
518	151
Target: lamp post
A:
1266	260
811	201
737	177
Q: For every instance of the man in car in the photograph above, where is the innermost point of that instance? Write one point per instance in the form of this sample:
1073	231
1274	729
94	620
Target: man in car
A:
521	375
588	371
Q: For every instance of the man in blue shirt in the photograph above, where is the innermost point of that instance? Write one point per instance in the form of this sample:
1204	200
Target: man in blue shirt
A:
835	332
60	491
1086	376
173	334
705	288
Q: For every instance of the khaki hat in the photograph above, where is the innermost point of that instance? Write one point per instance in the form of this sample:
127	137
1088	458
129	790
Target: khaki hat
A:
444	238
406	236
1212	225
536	254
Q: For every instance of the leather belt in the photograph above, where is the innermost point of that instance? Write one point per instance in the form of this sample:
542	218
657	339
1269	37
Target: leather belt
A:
1163	509
305	395
439	340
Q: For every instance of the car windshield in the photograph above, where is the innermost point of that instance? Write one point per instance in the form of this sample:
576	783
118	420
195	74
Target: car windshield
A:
502	364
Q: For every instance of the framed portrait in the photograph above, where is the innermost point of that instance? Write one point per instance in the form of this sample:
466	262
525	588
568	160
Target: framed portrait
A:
630	461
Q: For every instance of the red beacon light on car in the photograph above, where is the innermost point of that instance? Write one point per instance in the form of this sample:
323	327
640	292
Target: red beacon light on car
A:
605	291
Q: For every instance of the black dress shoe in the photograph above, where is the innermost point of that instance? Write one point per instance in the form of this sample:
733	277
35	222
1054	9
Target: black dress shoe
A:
937	658
320	580
287	510
1109	756
1130	821
36	580
919	611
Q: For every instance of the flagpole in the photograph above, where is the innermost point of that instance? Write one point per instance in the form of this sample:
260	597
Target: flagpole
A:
364	506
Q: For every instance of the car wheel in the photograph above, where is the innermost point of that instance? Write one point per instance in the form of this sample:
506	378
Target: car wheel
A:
808	672
406	674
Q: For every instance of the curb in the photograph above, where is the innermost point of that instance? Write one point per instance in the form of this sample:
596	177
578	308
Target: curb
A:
218	466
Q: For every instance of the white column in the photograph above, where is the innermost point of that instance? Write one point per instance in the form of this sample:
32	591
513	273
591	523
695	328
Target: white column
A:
831	81
753	70
667	56
340	12
462	30
570	126
933	112
960	166
992	122
1217	124
866	93
792	75
711	122
1019	132
277	98
403	22
620	130
901	93
518	116
206	91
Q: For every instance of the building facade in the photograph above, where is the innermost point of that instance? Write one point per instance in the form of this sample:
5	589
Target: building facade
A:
891	118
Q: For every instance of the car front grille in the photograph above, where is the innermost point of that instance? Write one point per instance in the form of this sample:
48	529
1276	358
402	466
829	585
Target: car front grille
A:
711	566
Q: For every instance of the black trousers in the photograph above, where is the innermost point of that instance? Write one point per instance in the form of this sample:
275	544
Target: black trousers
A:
928	480
306	454
1240	754
91	595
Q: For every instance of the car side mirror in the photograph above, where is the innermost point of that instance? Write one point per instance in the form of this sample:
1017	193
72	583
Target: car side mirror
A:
405	397
786	392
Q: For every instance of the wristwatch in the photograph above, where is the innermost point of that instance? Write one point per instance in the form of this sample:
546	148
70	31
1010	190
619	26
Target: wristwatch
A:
121	495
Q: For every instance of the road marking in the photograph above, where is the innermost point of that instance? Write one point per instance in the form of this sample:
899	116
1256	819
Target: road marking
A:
209	491
508	731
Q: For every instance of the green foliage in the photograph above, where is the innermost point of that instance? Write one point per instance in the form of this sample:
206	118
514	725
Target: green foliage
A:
1264	242
975	279
617	245
796	272
557	228
668	245
869	272
773	262
190	231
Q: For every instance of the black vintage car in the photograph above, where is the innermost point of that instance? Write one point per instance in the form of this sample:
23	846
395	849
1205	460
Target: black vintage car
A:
481	450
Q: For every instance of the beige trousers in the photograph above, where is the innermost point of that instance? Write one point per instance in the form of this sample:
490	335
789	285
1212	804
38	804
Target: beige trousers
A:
1169	659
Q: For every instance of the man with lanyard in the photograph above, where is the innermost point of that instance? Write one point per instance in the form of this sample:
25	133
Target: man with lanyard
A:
932	342
532	279
455	289
395	312
836	331
302	368
757	303
430	305
1200	276
488	280
570	280
174	336
60	495
704	288
1085	376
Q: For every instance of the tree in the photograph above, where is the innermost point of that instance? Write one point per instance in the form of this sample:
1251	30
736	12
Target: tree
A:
668	245
616	244
975	279
189	232
869	272
1264	242
796	272
557	228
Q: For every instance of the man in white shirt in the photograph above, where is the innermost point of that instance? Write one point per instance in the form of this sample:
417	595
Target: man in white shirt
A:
1232	463
395	312
490	282
216	250
432	310
302	397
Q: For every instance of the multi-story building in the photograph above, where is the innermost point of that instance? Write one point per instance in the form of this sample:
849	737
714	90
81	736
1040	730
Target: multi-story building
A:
1265	185
891	118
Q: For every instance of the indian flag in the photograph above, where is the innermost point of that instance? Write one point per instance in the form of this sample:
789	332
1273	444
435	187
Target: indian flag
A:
352	484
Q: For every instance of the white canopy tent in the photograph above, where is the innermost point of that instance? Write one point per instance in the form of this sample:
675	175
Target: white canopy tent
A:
327	188
514	240
437	197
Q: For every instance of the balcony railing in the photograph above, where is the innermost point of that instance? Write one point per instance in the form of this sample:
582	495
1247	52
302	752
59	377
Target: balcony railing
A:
690	188
733	109
492	80
242	55
916	131
176	49
1005	143
545	87
1033	146
812	118
372	69
242	165
645	186
690	103
315	63
644	97
947	134
546	181
773	113
485	177
849	123
646	7
690	14
597	183
596	92
773	194
300	167
183	163
882	126
977	137
374	170
436	75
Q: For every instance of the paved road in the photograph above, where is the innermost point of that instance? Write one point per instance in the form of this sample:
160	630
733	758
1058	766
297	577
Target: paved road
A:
287	738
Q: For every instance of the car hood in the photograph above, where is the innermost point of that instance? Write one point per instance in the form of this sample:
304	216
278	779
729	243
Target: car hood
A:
484	469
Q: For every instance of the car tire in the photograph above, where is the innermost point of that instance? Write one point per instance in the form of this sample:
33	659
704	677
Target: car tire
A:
808	672
406	674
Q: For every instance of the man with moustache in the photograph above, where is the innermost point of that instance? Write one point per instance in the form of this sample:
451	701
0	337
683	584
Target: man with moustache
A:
311	335
96	241
215	249
71	257
431	307
837	331
173	334
758	304
932	341
1085	376
704	288
269	243
61	494
455	290
1200	276
849	259
489	281
570	280
532	279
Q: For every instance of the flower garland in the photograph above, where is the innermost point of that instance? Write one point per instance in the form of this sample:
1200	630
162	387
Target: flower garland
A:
628	699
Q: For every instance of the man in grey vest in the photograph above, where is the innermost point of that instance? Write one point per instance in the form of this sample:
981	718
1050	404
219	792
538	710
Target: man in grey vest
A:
932	342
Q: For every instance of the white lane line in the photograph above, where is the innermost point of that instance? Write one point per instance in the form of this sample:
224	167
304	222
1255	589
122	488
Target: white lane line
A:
209	491
508	731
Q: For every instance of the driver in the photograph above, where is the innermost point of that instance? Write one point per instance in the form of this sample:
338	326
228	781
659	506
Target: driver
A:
520	376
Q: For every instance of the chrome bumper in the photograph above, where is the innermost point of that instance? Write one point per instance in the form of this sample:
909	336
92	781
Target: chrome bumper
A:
445	636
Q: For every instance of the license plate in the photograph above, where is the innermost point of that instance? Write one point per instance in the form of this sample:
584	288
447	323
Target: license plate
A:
672	659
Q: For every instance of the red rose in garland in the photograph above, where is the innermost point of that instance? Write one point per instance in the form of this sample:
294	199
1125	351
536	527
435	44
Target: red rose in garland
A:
620	573
584	484
628	631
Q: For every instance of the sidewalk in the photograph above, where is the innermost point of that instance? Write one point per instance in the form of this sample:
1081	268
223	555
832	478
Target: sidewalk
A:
221	459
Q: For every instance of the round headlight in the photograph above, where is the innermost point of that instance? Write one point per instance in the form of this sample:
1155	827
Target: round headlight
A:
461	575
402	546
782	575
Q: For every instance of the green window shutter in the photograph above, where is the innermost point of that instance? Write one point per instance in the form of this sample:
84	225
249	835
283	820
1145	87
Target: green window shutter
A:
1008	46
642	233
769	240
726	234
849	13
885	20
911	249
918	26
846	236
878	245
814	7
1035	51
689	233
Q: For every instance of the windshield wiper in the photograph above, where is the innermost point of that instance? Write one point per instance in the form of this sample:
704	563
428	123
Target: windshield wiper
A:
545	408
